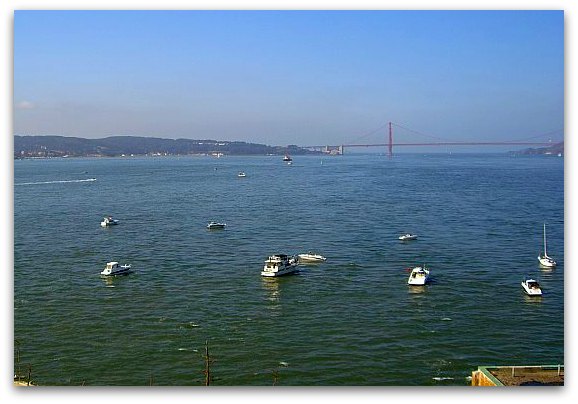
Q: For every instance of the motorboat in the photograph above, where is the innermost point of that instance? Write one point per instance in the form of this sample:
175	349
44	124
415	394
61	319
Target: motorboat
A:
241	174
544	259
407	237
279	264
287	158
216	225
532	287
418	276
108	221
114	269
311	258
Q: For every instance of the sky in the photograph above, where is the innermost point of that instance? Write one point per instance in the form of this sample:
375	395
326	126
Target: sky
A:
285	77
465	75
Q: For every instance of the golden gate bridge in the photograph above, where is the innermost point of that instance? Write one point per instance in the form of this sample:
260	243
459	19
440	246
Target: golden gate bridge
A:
339	149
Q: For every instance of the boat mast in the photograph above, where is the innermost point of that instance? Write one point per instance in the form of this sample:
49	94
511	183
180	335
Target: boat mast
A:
545	254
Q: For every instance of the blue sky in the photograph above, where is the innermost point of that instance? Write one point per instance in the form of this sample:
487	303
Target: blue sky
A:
289	77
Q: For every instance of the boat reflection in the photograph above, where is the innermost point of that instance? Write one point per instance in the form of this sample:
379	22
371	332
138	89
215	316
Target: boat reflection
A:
112	281
271	286
532	299
416	289
108	281
546	270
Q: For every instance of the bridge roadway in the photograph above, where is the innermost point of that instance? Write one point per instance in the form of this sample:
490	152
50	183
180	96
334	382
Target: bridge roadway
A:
436	144
340	148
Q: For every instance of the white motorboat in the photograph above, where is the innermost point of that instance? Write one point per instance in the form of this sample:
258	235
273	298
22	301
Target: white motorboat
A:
279	264
287	158
311	258
114	269
216	225
544	259
419	276
108	221
241	174
407	237
531	287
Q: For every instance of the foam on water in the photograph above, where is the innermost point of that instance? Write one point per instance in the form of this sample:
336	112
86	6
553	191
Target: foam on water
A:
56	182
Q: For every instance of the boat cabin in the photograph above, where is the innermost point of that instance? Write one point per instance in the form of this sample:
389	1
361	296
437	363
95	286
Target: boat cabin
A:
111	265
533	285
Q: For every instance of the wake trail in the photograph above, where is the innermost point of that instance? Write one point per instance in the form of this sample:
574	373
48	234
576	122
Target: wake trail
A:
56	182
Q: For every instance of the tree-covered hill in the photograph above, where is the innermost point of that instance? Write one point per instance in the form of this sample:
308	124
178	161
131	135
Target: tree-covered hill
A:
55	146
555	149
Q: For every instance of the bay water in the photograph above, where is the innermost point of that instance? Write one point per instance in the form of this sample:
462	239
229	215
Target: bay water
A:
352	320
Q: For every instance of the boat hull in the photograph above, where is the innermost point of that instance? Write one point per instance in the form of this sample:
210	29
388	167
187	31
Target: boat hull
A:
279	272
531	291
118	273
311	259
418	277
279	265
546	262
417	282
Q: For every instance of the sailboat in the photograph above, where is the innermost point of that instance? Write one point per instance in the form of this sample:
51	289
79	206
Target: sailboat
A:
544	259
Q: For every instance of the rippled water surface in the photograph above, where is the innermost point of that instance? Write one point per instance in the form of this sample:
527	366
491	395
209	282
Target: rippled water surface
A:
350	321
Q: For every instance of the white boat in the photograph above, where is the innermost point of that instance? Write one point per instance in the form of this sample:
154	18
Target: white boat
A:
407	237
114	268
532	287
278	265
544	259
287	158
216	225
108	221
311	258
241	174
418	276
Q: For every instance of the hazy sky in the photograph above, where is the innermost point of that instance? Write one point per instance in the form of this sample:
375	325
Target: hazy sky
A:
289	77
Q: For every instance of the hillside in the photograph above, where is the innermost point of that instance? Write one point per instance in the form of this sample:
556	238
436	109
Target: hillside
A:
59	146
555	149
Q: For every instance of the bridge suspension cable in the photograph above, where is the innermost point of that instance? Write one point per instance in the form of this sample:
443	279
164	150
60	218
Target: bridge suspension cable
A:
542	135
436	140
365	135
420	133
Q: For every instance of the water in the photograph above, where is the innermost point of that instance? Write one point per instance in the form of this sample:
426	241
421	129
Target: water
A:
350	321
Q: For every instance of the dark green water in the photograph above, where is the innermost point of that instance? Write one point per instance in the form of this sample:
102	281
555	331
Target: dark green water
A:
350	321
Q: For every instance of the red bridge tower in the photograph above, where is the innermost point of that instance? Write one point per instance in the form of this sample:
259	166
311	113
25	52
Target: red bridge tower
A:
390	142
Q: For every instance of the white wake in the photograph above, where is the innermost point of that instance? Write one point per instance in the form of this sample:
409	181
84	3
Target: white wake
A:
56	182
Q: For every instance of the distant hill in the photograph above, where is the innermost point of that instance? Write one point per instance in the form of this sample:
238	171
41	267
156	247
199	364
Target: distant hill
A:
59	146
555	149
